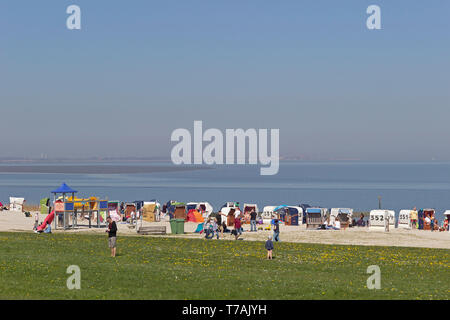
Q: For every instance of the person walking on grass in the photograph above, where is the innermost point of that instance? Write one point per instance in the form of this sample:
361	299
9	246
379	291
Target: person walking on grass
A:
112	235
269	248
253	221
276	231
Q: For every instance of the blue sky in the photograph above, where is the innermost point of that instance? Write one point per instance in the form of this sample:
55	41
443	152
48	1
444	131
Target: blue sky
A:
137	70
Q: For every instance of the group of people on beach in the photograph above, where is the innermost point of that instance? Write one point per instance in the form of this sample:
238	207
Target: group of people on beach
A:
209	233
214	226
433	223
429	220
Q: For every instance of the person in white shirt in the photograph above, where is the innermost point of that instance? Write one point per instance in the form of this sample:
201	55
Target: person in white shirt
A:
132	217
337	224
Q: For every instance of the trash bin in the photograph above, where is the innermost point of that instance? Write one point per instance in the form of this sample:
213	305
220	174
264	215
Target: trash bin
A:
180	226
173	226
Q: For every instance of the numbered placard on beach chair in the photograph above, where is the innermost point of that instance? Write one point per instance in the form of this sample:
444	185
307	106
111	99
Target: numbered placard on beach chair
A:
404	219
378	219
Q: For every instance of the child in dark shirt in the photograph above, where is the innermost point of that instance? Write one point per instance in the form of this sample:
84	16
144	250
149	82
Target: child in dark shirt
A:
269	248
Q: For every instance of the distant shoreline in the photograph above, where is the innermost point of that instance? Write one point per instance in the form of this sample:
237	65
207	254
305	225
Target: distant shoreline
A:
96	169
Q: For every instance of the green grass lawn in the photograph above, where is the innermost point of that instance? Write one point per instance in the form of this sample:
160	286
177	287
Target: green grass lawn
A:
34	267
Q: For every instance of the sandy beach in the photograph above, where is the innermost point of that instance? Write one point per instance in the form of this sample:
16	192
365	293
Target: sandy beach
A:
17	222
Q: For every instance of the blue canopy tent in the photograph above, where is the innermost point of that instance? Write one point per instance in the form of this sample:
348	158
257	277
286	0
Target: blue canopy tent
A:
64	188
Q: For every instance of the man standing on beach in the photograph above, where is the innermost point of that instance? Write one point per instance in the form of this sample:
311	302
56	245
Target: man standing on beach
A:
413	216
112	235
361	222
253	221
276	231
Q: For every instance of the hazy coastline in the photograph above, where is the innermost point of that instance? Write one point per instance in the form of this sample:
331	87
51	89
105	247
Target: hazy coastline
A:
98	169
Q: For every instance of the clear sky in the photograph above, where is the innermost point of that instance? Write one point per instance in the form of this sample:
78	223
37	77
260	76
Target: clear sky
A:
137	70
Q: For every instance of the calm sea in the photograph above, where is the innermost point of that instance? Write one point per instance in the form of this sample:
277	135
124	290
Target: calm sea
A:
328	184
